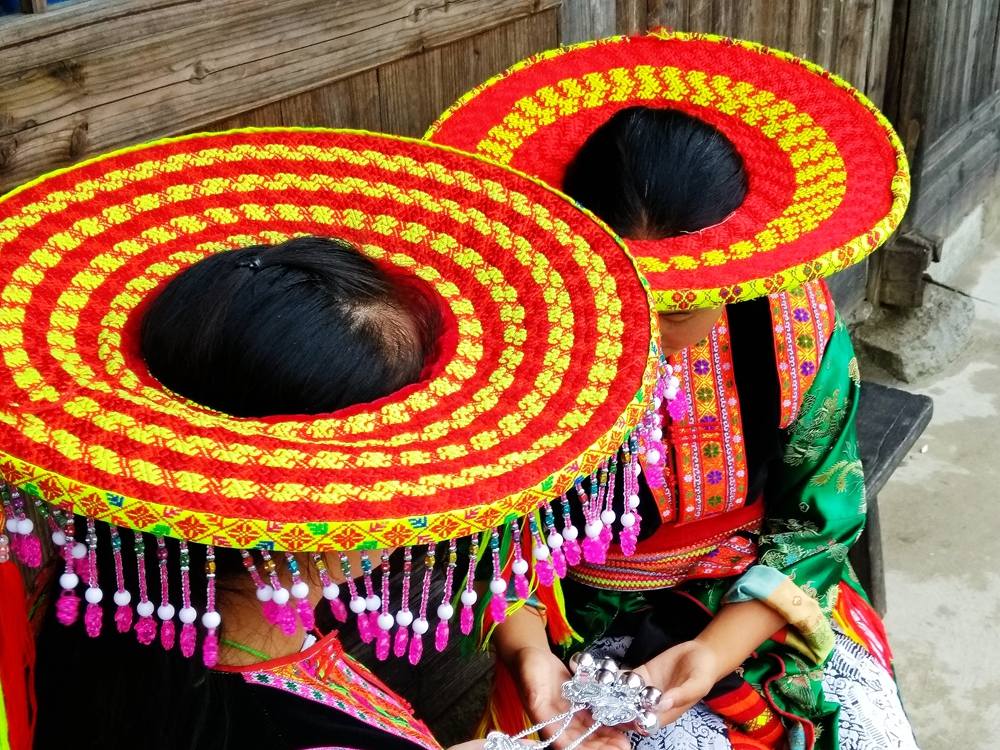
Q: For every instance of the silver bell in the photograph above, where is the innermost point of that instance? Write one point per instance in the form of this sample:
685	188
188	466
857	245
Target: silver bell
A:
581	660
650	697
608	664
646	723
604	677
631	680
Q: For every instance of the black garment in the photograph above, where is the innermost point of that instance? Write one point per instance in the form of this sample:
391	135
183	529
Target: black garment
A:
111	693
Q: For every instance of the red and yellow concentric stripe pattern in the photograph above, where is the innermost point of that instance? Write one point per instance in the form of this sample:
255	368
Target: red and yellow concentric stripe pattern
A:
545	367
828	178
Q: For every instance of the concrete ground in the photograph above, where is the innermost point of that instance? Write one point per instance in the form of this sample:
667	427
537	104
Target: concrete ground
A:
941	528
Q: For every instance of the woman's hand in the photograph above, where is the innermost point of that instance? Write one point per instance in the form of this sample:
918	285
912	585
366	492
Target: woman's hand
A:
685	673
539	675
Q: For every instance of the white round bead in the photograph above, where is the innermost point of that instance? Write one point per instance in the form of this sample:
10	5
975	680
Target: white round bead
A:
300	590
638	469
633	501
593	530
656	402
498	586
555	540
69	580
652	456
420	626
211	620
656	433
540	552
79	551
385	621
266	593
669	370
25	526
187	615
11	525
145	609
331	591
628	520
670	394
373	603
571	533
93	595
403	618
58	538
445	611
165	612
280	596
520	566
122	598
357	605
674	383
469	598
607	517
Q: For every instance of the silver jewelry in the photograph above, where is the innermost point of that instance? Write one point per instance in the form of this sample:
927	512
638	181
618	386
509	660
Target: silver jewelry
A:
614	697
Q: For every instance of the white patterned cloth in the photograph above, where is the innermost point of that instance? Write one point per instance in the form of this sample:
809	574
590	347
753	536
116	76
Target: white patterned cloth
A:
871	716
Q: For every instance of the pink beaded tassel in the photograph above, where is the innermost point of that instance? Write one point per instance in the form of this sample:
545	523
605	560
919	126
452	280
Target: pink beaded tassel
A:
211	619
283	612
94	615
331	591
145	628
300	591
29	547
498	586
540	553
384	620
123	614
357	604
555	541
469	596
445	610
593	550
420	625
187	615
404	617
631	518
570	534
372	600
68	604
265	594
166	610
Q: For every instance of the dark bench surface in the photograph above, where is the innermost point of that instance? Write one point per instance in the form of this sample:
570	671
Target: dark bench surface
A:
449	691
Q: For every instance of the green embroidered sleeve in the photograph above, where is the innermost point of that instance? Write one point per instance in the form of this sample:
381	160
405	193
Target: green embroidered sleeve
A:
815	506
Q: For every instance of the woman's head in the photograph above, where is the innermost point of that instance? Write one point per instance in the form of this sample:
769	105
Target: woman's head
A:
305	327
657	173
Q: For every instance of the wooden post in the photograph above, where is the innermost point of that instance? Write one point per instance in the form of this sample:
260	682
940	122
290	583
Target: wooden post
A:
580	20
33	6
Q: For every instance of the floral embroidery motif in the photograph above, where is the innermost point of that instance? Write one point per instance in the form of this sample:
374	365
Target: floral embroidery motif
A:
803	321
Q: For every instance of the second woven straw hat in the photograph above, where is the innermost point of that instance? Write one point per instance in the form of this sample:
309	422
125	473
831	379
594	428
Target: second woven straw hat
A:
828	179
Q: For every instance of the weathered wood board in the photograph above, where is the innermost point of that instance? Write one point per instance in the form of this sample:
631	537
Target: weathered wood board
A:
94	76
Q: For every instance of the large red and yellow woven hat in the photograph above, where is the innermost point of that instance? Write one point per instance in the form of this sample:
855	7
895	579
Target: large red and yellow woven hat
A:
546	367
828	179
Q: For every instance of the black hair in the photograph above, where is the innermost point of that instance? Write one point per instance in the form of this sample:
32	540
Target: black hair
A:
305	327
653	173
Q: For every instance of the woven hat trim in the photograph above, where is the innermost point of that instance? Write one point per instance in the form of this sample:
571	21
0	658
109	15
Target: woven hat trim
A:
230	440
818	170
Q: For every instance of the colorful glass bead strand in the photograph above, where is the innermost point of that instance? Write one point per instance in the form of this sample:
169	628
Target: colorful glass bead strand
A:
211	620
357	603
300	591
420	625
94	614
264	591
123	599
570	534
544	569
285	613
166	610
331	591
520	566
498	586
404	618
68	606
469	595
145	627
384	621
445	609
29	548
187	613
555	542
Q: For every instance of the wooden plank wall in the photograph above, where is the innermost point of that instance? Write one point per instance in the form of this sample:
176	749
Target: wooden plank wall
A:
944	97
91	76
